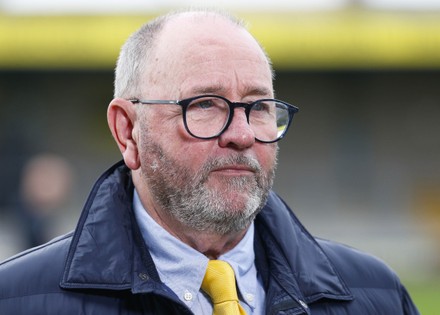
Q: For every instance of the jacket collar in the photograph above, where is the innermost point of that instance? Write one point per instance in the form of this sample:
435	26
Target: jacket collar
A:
107	239
293	257
101	241
107	251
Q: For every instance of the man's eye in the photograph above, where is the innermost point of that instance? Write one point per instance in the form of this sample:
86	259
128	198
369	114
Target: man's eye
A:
206	104
261	107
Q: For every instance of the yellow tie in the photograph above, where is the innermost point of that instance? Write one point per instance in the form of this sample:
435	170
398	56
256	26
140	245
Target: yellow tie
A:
219	284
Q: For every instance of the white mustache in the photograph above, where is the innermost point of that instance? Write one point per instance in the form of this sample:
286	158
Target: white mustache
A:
236	159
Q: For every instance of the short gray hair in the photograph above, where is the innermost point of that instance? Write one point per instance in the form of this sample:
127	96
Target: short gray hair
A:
132	60
132	64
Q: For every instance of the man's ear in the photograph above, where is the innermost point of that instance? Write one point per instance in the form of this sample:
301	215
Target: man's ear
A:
121	116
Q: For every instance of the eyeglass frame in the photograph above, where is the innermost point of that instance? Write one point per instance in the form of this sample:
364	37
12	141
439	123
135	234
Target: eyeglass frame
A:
184	103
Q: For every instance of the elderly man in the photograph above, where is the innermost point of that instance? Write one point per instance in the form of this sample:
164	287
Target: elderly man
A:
187	223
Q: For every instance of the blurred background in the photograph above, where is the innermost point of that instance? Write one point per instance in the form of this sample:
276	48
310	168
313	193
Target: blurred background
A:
361	164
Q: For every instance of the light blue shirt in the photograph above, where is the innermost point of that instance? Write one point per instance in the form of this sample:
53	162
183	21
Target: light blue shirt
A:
182	268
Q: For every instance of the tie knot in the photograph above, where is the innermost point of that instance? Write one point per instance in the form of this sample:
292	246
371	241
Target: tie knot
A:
219	282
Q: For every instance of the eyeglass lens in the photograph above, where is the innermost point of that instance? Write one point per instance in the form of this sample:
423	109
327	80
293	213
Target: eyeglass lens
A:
207	117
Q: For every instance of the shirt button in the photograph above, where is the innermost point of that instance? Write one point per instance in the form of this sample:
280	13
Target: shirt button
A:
249	297
188	296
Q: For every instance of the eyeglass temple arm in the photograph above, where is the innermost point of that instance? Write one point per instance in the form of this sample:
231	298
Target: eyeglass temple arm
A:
135	101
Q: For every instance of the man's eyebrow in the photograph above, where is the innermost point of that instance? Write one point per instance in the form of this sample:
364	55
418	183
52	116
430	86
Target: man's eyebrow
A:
260	91
220	90
211	89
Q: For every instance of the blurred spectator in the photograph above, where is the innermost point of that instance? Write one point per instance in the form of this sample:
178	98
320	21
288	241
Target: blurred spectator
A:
46	183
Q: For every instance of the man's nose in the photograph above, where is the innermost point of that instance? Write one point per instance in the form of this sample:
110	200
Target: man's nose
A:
239	133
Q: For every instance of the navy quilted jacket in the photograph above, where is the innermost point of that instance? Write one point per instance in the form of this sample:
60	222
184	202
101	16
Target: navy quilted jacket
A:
104	267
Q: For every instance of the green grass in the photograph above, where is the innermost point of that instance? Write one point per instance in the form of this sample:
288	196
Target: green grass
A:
426	295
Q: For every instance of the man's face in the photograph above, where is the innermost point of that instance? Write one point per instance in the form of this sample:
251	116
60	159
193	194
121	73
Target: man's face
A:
215	185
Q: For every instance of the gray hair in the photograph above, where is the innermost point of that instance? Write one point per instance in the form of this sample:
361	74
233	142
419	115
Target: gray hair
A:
132	60
132	64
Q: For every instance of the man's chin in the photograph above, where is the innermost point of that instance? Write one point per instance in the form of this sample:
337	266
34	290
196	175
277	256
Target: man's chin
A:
237	201
235	194
229	182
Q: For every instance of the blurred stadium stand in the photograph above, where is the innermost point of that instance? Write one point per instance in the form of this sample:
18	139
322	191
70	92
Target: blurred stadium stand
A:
361	163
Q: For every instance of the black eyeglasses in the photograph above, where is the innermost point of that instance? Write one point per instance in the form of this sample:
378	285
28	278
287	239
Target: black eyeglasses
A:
208	116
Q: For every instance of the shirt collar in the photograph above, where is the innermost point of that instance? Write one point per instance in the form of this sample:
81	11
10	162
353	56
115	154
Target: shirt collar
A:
242	260
182	268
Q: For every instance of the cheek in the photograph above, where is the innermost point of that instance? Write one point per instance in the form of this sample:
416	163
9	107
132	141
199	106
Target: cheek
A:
171	128
167	129
192	153
165	126
267	155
